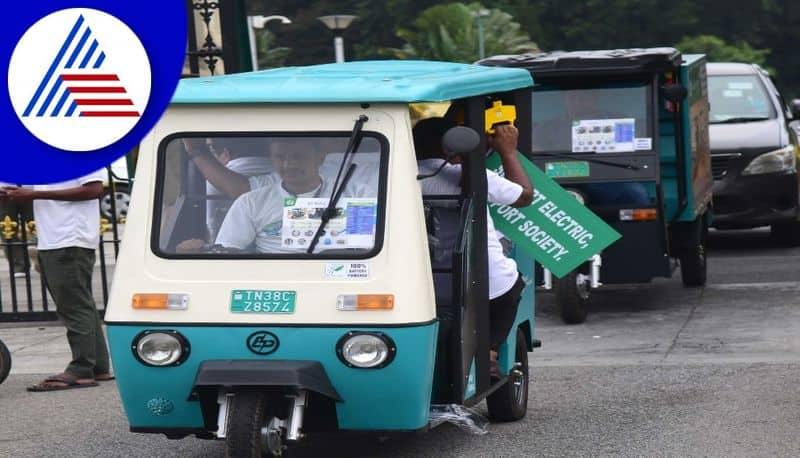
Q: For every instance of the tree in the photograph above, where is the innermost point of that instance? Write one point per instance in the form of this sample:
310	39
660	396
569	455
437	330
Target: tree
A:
449	32
718	50
269	54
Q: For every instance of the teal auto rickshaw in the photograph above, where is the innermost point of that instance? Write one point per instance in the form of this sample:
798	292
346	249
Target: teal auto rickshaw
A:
626	131
332	316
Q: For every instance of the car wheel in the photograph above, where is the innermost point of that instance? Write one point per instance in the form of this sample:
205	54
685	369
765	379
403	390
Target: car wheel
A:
122	198
787	234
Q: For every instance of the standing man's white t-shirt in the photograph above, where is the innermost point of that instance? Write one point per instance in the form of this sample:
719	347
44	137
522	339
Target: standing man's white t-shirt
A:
61	223
502	270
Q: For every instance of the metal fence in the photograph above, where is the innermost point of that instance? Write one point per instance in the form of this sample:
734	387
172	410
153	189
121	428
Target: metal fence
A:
23	294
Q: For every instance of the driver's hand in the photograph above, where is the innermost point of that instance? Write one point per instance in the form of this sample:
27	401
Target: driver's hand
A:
504	139
194	145
190	246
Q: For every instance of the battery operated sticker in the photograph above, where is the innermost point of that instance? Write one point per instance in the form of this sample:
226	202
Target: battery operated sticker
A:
603	135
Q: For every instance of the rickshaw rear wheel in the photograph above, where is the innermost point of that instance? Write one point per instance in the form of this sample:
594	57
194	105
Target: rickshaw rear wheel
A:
247	418
5	361
694	259
572	297
510	401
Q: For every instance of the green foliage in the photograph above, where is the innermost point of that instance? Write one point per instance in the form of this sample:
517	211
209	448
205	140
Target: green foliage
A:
269	54
450	32
718	50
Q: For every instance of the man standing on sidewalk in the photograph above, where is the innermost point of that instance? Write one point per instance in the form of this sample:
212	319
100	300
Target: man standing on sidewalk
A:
68	225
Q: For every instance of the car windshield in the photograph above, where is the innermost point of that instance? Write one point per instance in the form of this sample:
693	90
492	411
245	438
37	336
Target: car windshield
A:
591	120
257	196
738	98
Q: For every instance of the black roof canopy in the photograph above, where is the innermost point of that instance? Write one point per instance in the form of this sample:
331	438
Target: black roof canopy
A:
583	63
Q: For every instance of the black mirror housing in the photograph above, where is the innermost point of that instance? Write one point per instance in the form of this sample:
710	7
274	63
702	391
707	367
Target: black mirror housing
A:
460	140
674	92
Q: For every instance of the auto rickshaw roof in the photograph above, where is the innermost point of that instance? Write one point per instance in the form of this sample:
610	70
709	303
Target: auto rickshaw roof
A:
602	62
365	81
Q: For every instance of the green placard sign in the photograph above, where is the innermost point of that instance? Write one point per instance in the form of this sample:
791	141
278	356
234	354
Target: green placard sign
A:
556	230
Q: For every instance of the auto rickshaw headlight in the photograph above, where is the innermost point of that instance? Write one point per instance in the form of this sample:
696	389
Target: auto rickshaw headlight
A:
366	350
160	348
577	195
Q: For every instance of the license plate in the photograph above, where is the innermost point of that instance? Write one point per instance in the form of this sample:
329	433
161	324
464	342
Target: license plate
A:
262	301
570	169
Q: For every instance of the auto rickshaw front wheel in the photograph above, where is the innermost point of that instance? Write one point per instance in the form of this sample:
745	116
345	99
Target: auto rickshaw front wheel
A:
5	361
248	432
572	296
510	401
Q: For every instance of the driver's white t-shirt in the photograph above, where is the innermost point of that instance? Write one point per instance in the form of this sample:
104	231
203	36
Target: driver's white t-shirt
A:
502	270
257	216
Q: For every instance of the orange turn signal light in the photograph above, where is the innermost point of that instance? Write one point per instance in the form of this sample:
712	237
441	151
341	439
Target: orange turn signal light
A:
638	214
160	301
361	302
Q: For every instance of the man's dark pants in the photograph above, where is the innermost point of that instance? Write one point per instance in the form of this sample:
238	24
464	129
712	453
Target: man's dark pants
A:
68	275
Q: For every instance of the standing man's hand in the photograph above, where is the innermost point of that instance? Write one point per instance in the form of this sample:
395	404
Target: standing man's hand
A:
504	140
17	194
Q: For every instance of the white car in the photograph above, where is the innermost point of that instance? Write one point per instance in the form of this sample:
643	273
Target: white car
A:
119	171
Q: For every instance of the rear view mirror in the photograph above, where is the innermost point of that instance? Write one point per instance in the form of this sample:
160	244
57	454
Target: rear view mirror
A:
794	106
460	140
674	92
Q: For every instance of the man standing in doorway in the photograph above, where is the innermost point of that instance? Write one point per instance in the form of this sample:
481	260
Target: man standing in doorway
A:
68	225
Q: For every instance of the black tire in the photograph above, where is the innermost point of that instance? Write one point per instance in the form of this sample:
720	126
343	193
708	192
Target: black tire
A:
694	259
572	300
247	416
5	362
123	199
787	234
510	401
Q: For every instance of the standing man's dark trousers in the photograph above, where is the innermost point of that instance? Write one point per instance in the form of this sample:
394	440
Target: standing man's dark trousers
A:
68	274
18	254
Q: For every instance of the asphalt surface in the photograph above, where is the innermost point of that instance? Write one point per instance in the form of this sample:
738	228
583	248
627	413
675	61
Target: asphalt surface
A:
656	370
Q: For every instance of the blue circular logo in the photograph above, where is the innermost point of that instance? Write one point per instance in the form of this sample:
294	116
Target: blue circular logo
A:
85	84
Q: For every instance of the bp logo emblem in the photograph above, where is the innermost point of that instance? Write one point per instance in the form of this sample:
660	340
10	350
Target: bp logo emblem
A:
79	79
263	343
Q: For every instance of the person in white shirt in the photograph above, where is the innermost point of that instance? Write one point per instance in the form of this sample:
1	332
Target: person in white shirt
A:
68	226
231	152
255	220
505	282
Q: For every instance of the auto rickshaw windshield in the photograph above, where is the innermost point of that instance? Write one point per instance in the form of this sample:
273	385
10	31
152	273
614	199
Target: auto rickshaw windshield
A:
559	113
290	181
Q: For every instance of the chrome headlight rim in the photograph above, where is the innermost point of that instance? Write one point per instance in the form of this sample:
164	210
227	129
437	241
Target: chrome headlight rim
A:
577	194
182	341
387	341
757	164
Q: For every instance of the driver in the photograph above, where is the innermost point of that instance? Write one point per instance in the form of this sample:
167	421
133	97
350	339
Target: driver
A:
256	217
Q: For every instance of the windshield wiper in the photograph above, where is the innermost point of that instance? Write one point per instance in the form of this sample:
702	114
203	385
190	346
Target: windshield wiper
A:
740	119
590	159
338	187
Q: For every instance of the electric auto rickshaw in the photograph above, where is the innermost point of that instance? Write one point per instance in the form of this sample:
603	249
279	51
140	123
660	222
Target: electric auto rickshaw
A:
250	309
626	131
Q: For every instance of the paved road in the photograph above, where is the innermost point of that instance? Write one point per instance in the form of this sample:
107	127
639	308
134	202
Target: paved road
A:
656	370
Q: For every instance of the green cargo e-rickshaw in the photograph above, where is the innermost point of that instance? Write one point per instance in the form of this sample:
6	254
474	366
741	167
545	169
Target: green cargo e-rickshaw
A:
626	132
341	320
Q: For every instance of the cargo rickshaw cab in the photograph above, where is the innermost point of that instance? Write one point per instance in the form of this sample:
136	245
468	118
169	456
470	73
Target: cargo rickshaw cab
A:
322	315
626	131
